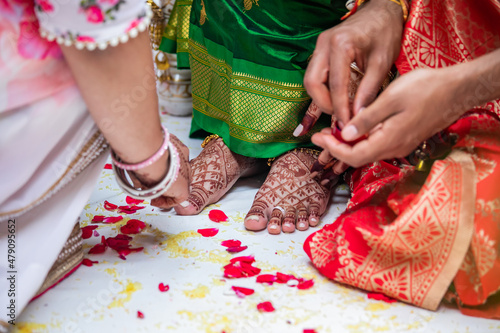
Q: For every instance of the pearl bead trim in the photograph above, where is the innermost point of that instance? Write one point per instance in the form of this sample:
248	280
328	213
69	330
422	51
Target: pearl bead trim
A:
132	33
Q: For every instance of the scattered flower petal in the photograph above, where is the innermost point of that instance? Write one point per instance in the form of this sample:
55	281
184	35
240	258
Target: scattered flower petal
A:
140	315
306	330
241	267
111	219
284	278
231	243
247	259
305	284
208	232
108	166
99	248
96	234
133	227
87	231
88	262
381	297
163	287
129	209
217	215
109	206
242	292
265	307
132	201
266	278
235	249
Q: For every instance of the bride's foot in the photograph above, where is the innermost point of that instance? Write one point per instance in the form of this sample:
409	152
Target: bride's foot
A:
213	173
290	199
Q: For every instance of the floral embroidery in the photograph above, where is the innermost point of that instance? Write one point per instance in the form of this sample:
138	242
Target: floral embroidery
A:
44	6
95	13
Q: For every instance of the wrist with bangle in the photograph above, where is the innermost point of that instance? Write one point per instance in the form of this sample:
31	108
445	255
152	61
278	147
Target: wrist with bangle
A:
124	180
353	6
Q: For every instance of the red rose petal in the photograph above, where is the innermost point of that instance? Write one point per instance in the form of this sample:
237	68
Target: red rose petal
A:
163	287
309	330
96	234
129	209
99	248
140	315
284	278
108	166
266	278
217	216
109	206
381	297
111	219
88	262
236	249
208	232
305	284
132	201
133	227
231	243
265	307
122	253
242	292
87	231
247	259
240	267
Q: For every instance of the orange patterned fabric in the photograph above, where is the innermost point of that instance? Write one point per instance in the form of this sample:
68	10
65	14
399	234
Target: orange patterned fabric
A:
419	242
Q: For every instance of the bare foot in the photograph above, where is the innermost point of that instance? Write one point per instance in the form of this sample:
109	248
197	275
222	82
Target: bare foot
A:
213	173
289	197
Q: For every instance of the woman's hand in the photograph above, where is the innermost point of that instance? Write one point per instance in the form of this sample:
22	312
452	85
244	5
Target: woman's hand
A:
151	175
412	109
371	38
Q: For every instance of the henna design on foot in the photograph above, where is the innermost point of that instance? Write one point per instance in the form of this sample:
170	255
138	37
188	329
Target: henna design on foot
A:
289	187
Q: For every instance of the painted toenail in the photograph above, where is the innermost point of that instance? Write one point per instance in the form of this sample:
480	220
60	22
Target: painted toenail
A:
302	225
252	217
184	204
313	219
273	226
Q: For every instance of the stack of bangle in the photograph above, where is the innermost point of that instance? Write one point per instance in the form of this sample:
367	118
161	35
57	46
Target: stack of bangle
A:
163	186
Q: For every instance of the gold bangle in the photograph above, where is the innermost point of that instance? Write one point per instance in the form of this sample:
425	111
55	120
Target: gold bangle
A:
310	151
208	139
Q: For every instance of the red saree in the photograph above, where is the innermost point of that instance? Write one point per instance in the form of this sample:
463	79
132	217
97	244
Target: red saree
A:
422	243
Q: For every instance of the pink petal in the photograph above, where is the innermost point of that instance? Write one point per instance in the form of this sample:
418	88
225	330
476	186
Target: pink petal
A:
132	201
236	249
122	253
109	206
140	315
108	166
265	307
163	287
305	284
381	297
242	292
208	232
306	330
231	243
217	215
87	231
88	262
133	227
266	278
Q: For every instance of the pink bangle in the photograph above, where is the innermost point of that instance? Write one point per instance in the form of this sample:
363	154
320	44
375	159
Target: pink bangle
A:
149	161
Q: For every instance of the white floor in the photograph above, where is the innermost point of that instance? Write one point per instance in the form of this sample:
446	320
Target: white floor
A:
107	296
